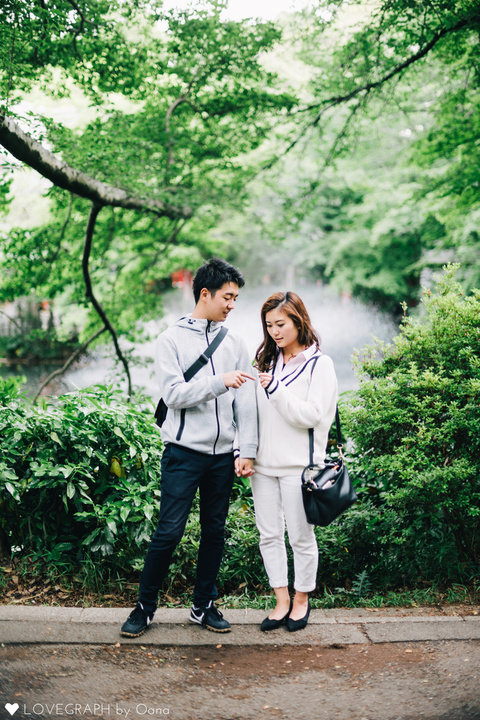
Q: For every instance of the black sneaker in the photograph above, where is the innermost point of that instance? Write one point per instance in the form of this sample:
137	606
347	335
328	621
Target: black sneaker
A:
137	622
210	617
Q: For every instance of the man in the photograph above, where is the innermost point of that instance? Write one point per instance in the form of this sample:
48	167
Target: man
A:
198	435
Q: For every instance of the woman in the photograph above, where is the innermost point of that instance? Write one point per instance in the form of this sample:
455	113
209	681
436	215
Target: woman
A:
298	391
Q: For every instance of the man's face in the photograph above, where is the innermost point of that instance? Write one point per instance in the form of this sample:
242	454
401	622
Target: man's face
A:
221	303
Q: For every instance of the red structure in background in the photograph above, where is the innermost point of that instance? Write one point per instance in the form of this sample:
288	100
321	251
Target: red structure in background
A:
182	278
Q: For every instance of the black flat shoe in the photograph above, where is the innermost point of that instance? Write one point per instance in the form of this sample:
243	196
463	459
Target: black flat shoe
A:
294	625
269	624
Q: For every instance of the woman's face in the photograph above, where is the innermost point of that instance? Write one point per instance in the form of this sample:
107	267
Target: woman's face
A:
281	328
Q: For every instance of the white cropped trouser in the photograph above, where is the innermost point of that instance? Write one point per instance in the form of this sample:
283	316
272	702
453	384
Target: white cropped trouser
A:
278	500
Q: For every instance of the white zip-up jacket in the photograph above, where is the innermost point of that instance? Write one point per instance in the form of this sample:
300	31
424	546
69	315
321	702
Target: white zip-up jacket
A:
302	395
203	414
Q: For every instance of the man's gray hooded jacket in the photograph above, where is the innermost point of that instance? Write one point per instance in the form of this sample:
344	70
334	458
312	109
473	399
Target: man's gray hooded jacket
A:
203	414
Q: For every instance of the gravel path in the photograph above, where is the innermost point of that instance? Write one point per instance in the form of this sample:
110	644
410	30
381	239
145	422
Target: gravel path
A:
436	680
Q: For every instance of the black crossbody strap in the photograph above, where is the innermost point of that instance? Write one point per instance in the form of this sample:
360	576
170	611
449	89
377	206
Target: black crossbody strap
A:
206	355
339	436
310	441
161	410
310	430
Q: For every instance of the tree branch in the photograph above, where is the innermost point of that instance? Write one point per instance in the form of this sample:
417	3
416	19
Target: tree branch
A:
181	99
81	13
169	114
70	360
333	149
330	102
399	68
95	209
32	153
12	320
54	256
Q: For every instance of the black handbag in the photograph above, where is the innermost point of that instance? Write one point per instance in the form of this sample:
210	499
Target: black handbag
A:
162	409
327	492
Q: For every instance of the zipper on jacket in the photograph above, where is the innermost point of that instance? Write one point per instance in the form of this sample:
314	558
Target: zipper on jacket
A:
182	424
216	400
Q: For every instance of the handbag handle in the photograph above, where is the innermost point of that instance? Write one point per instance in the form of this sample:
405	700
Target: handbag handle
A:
339	437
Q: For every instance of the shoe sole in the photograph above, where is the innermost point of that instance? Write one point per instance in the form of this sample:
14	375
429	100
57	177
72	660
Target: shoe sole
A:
133	635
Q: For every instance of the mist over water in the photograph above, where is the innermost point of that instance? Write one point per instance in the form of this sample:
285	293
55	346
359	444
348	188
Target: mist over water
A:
343	325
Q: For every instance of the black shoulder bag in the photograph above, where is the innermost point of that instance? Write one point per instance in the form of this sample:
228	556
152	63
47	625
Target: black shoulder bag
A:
327	492
161	411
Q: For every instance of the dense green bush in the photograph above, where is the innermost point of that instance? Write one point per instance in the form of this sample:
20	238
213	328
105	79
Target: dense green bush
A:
415	423
79	478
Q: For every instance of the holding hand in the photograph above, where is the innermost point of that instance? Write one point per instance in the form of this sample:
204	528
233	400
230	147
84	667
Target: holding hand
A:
235	378
244	467
265	379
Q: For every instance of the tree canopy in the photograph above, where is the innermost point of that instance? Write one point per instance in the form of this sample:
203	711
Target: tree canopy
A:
179	98
380	182
347	133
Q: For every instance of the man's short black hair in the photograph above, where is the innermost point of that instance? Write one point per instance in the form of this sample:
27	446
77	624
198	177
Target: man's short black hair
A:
213	274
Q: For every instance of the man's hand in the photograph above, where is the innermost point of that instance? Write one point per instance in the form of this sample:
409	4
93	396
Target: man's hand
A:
235	378
244	467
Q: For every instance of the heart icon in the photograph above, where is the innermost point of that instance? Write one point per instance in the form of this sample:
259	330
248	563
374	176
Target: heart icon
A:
12	708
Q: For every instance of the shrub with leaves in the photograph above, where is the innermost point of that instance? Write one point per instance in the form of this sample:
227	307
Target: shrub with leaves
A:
79	478
415	422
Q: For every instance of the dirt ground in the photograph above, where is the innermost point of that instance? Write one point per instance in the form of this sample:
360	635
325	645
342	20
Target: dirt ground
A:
397	681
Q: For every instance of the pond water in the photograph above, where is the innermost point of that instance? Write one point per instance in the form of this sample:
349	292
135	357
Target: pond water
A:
343	324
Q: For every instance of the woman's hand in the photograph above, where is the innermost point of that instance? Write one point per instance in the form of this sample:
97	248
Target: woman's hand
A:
265	379
244	467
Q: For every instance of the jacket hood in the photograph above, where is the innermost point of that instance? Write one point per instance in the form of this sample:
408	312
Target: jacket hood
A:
198	324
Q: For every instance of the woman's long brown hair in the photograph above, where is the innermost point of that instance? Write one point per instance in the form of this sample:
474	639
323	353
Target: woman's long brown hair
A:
292	305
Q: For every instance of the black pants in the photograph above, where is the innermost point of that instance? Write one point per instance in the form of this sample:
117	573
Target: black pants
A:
183	471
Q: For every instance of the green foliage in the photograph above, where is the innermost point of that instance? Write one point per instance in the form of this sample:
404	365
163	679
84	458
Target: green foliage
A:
36	345
87	39
80	477
184	100
382	181
415	422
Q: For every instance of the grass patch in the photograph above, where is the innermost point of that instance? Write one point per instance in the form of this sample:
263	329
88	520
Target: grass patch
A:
27	584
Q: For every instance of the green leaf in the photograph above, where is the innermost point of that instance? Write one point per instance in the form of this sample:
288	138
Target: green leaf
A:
120	434
12	490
